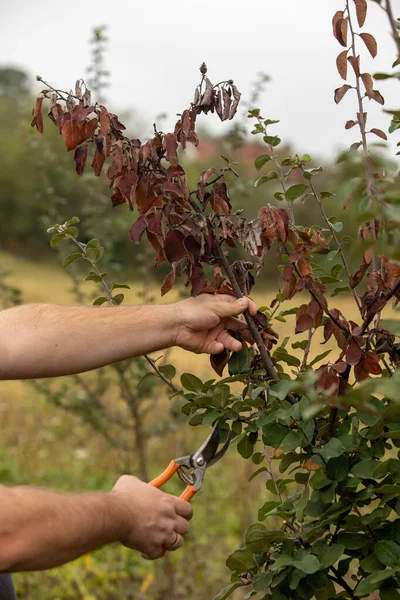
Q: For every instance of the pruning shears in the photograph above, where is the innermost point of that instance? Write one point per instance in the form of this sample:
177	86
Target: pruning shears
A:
191	468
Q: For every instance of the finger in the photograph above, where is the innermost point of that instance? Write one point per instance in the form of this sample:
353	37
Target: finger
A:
154	554
183	508
182	526
177	543
235	306
215	348
229	342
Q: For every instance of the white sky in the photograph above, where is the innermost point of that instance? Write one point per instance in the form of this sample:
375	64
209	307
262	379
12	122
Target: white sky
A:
157	46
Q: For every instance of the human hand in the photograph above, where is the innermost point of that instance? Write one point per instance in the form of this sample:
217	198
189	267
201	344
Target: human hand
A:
152	519
204	322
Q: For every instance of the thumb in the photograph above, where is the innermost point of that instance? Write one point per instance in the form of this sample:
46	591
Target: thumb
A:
232	308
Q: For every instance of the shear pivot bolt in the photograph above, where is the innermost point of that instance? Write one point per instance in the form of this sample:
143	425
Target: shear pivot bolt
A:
200	461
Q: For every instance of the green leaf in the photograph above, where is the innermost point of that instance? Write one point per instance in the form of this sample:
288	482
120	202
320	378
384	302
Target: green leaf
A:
93	277
93	244
306	159
281	354
245	447
371	583
72	221
388	553
118	298
273	434
265	178
240	560
261	161
326	194
364	469
71	258
238	361
331	449
261	582
272	140
267	508
307	564
94	254
228	590
117	286
168	370
352	541
100	300
337	226
328	555
337	468
56	238
292	441
319	357
72	231
295	191
191	382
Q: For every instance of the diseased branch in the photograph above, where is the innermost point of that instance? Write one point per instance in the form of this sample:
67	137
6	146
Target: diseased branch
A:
269	366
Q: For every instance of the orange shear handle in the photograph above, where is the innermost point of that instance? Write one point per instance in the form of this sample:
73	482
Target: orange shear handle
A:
172	468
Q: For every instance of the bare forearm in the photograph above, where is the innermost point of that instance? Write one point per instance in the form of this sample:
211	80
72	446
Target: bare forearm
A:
40	529
48	340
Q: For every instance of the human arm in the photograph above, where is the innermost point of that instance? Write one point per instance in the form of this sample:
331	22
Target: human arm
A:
40	340
41	529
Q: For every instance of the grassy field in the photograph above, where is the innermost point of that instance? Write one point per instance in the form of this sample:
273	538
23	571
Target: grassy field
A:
41	444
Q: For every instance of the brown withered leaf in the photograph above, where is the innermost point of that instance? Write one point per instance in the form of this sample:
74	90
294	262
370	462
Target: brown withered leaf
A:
353	354
344	25
156	243
37	120
88	128
377	96
236	100
174	248
361	10
71	132
341	64
337	17
137	229
227	104
218	104
145	197
304	267
198	279
379	133
125	187
355	63
337	27
341	92
368	83
171	147
371	43
355	146
350	124
219	361
168	281
219	199
303	323
359	275
371	364
185	123
104	121
80	157
98	162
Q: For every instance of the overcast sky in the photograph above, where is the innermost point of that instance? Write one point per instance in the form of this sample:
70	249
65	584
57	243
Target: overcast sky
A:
156	47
